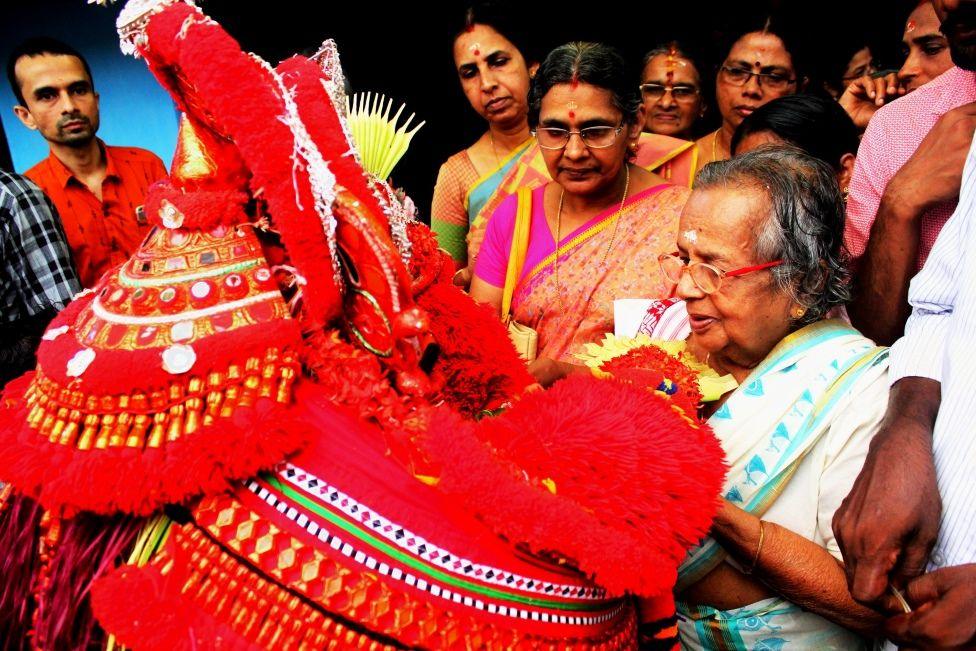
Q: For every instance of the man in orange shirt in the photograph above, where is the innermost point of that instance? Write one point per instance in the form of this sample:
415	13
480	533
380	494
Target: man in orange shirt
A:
98	189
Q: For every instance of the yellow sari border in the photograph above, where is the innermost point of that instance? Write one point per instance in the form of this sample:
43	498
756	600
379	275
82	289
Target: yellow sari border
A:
589	233
674	153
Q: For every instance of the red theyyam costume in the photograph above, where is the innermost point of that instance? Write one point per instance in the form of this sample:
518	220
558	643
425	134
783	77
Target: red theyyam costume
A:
280	426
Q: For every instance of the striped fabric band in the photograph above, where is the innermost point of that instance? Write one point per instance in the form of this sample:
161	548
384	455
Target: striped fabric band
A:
369	550
428	552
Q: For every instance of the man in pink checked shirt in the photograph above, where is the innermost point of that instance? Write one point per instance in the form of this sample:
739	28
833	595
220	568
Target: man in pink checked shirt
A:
904	188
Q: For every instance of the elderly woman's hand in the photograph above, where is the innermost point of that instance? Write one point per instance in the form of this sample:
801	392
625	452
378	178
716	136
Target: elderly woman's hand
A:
547	371
792	566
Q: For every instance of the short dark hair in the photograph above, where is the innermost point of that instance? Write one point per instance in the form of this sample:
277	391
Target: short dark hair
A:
676	47
589	63
818	126
37	46
780	25
503	17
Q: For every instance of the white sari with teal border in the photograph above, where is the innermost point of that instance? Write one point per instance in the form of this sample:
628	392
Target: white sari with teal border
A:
780	413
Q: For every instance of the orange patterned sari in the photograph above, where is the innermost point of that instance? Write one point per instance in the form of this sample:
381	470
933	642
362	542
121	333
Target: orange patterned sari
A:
578	308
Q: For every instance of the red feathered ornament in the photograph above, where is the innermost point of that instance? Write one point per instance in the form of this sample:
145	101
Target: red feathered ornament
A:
607	473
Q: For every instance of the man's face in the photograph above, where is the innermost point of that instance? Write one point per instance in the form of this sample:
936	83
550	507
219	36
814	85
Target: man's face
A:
59	99
959	26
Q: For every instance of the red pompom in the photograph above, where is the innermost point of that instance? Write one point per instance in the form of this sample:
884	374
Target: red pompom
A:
160	619
652	368
478	364
635	483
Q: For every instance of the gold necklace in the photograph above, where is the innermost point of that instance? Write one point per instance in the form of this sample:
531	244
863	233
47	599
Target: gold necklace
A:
494	151
613	233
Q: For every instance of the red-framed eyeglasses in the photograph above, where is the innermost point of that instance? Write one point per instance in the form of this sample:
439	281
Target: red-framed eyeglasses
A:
705	276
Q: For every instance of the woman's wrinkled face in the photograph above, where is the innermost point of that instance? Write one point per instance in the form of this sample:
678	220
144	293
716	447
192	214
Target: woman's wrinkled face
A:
754	52
579	169
739	323
493	74
671	93
925	48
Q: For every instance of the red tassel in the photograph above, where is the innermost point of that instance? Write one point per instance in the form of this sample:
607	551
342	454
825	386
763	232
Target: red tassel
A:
139	481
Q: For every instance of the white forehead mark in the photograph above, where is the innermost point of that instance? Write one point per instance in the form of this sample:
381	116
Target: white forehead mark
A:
691	235
474	47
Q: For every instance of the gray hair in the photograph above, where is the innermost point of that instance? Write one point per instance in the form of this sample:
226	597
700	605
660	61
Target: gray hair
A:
804	227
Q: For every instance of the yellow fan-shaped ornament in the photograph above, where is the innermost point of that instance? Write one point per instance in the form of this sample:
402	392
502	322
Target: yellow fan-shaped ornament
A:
380	141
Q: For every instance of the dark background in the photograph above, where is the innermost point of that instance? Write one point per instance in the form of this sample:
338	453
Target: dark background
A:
403	49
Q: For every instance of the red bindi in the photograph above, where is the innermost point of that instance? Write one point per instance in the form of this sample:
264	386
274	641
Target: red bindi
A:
572	114
477	52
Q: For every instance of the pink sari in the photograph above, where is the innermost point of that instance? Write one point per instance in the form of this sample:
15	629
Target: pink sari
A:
579	309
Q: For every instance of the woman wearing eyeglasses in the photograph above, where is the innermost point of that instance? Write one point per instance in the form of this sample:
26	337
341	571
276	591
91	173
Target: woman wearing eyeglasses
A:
611	218
760	66
758	266
671	91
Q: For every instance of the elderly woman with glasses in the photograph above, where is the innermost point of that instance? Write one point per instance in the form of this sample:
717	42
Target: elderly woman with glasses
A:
758	267
671	90
760	65
566	249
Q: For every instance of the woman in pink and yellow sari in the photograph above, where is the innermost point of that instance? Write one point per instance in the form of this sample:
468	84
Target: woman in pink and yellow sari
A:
593	234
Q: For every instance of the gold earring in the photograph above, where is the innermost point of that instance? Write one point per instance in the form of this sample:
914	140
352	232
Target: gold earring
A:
799	312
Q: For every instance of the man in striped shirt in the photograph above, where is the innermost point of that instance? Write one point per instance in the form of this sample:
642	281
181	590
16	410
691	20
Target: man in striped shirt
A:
37	278
909	522
99	190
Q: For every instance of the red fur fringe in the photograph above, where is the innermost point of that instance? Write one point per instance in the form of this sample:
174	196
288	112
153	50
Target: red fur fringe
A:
636	484
478	364
161	619
141	481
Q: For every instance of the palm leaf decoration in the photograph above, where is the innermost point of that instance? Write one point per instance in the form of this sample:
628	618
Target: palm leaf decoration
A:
380	141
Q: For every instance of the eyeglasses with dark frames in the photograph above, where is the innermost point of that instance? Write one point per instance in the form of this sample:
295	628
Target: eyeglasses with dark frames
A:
740	77
597	137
